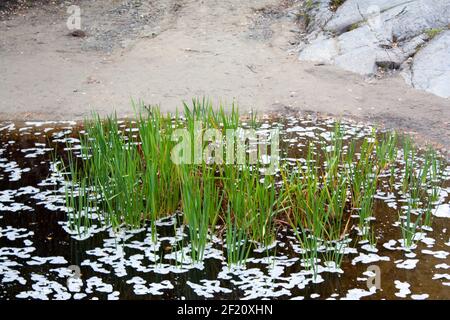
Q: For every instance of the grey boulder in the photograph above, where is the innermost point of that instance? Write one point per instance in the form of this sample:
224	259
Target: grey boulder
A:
430	69
364	35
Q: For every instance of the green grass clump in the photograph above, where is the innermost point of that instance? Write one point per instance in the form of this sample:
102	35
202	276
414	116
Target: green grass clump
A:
125	176
432	33
201	203
420	187
315	204
409	227
160	184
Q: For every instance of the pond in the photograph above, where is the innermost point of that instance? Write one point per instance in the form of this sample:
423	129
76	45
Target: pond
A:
42	258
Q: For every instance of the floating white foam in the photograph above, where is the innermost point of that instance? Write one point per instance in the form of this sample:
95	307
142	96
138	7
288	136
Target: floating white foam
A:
357	294
408	264
403	288
442	211
420	296
369	258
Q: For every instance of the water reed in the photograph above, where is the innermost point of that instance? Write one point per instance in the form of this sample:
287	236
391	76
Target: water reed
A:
125	176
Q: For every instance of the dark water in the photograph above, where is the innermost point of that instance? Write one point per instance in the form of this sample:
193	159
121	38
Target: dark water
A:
38	257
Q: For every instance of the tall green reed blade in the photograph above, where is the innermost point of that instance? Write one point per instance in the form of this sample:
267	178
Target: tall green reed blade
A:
409	228
201	200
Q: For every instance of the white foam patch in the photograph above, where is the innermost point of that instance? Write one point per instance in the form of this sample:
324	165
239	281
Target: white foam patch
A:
408	264
45	289
36	261
152	288
35	152
114	295
442	211
15	173
369	258
357	294
403	288
437	254
438	276
12	233
370	248
97	284
207	288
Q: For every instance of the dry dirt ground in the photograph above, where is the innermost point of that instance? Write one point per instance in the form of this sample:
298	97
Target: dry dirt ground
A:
166	51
